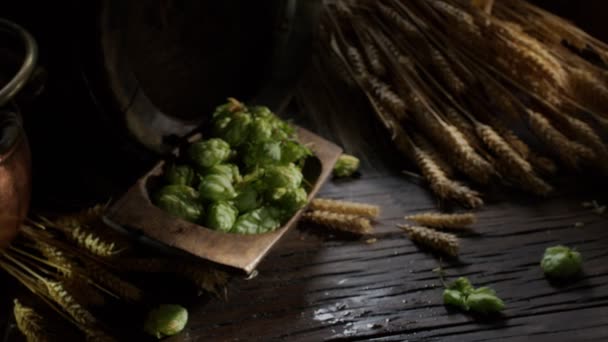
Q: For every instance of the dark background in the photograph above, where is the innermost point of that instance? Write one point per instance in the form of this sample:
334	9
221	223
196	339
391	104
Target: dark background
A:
82	152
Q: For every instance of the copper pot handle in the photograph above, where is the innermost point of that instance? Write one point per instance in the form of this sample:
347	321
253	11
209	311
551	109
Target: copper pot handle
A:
27	67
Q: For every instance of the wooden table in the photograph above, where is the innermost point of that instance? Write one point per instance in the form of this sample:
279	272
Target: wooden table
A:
315	287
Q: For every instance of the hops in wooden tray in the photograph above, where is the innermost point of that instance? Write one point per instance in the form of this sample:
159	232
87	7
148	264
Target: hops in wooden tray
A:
343	207
341	222
445	221
440	242
246	179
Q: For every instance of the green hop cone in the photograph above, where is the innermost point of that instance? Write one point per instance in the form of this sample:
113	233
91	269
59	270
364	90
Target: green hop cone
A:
180	175
247	198
261	220
282	176
182	191
216	188
293	152
180	201
221	216
484	301
166	320
229	170
261	112
289	201
237	131
561	262
208	153
346	166
261	154
260	130
220	126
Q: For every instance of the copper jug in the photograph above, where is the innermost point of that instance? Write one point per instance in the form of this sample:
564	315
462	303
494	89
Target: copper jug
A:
15	163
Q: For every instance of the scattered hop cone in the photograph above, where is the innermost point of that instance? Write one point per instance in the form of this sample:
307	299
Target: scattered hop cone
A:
221	216
561	262
166	320
180	175
216	188
208	153
346	166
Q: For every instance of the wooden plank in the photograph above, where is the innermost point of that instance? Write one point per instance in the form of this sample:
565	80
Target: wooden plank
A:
324	288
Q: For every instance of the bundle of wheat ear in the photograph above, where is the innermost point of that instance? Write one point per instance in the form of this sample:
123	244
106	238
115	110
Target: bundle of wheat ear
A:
80	269
466	94
348	217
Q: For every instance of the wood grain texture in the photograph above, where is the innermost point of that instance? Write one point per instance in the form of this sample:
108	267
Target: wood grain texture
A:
319	287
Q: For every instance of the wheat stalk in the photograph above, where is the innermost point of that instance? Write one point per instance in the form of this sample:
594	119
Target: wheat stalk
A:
346	223
84	217
451	79
445	221
438	241
373	57
441	185
30	323
570	152
343	207
115	284
93	243
57	292
386	96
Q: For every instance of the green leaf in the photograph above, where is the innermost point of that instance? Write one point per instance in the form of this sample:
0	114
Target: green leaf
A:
455	298
462	284
484	303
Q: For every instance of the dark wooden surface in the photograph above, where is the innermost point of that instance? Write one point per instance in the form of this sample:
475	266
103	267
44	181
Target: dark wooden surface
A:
316	287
